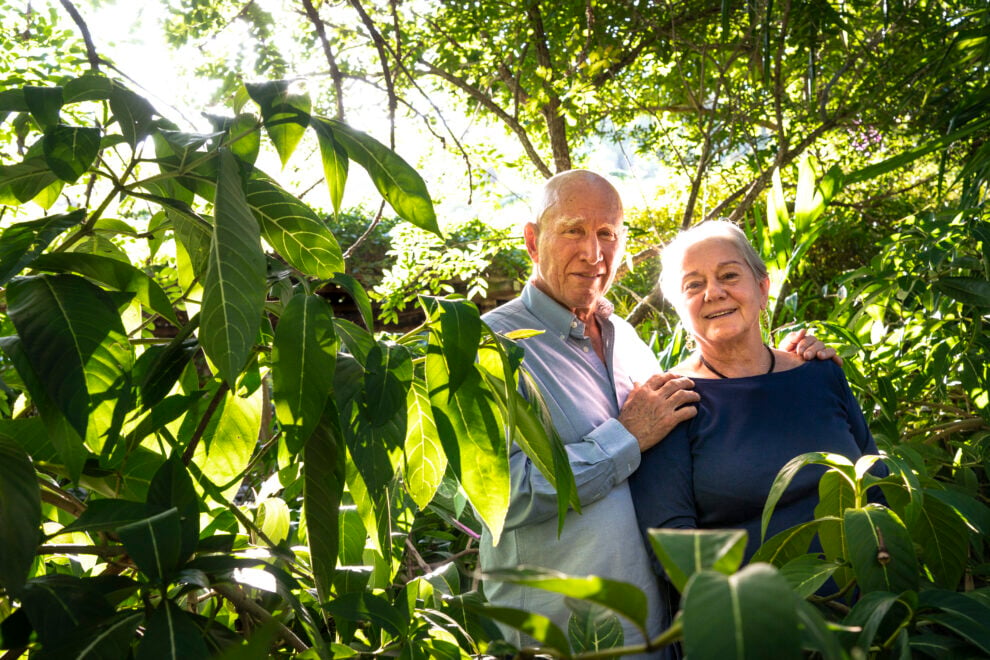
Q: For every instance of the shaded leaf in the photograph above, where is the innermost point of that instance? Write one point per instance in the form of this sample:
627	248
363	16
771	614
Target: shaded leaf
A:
44	103
962	613
358	295
113	273
684	552
460	328
880	550
234	287
593	628
20	515
31	179
171	487
323	473
807	573
71	150
21	243
304	357
171	633
134	114
535	625
109	640
968	290
60	605
107	515
154	543
943	538
752	614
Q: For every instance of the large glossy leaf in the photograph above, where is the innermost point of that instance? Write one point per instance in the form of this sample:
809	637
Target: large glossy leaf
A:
72	335
807	573
335	163
877	611
31	179
323	475
387	377
172	487
104	515
398	183
134	114
21	243
460	328
472	437
228	440
535	625
234	287
752	614
962	613
244	137
20	515
285	107
788	544
45	103
425	461
358	295
684	552
60	606
90	86
154	543
974	512
943	538
621	597
880	550
968	290
110	639
159	367
304	356
591	628
171	634
62	444
783	479
113	273
71	150
294	230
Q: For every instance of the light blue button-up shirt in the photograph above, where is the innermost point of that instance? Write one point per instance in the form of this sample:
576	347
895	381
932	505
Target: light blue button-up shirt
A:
584	397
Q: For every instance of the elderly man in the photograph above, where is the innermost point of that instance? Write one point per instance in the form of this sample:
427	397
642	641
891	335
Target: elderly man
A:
608	401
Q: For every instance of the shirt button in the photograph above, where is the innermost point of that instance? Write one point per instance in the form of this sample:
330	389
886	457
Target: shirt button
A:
573	324
585	349
563	337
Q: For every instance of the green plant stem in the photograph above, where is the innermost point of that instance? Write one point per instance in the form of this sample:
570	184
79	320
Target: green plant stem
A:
240	600
57	497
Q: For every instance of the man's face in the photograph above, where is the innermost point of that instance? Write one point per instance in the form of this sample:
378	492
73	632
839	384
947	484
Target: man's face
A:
575	249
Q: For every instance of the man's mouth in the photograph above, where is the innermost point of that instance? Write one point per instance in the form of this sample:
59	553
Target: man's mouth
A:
715	315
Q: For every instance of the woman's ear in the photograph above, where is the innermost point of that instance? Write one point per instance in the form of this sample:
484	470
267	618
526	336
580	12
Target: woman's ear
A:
765	291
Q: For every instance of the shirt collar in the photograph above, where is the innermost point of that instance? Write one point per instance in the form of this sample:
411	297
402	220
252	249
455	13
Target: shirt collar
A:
558	319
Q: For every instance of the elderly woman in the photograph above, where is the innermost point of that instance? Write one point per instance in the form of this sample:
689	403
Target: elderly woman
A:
759	407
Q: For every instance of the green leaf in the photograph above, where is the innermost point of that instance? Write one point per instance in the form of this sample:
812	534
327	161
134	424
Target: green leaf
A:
472	437
425	461
45	103
107	515
323	475
786	474
788	544
73	337
20	515
171	634
90	86
111	638
878	611
816	634
368	607
975	513
621	597
159	367
961	613
273	519
752	614
807	573
967	290
244	137
880	550
171	487
685	552
460	327
335	163
943	538
21	243
355	339
133	113
397	182
358	295
304	357
154	543
285	107
12	100
60	605
234	287
535	625
294	230
228	441
113	273
592	628
71	150
31	179
387	377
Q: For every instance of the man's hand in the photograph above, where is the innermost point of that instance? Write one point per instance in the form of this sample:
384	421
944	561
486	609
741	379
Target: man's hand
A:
808	347
655	407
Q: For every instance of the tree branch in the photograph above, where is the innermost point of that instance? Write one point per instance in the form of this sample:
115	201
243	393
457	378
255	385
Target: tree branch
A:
552	110
335	75
94	59
380	46
240	600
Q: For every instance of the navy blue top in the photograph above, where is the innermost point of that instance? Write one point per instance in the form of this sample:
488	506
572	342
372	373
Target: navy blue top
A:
715	470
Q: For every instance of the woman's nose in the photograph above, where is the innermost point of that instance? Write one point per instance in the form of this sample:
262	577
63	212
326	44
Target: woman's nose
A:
714	291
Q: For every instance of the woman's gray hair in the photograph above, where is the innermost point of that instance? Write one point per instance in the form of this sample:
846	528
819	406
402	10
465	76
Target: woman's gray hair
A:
672	255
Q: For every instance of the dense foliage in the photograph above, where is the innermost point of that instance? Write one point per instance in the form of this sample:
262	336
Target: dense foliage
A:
200	456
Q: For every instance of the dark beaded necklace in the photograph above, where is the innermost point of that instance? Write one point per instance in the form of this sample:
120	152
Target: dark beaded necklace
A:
773	363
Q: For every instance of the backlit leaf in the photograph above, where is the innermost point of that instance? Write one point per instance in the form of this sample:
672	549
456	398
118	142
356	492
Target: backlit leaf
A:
234	288
21	243
335	163
154	543
425	460
45	103
285	107
71	150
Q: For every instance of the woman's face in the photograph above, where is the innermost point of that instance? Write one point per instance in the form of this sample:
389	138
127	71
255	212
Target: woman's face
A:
720	297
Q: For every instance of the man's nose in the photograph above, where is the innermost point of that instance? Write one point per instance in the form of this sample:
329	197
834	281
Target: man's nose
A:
593	249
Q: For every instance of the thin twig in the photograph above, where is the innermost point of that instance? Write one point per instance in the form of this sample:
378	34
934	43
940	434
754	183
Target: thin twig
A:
91	54
190	451
241	601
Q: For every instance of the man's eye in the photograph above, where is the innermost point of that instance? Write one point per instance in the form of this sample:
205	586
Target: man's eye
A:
606	236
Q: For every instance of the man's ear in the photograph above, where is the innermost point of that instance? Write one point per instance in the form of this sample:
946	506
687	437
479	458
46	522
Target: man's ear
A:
531	233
